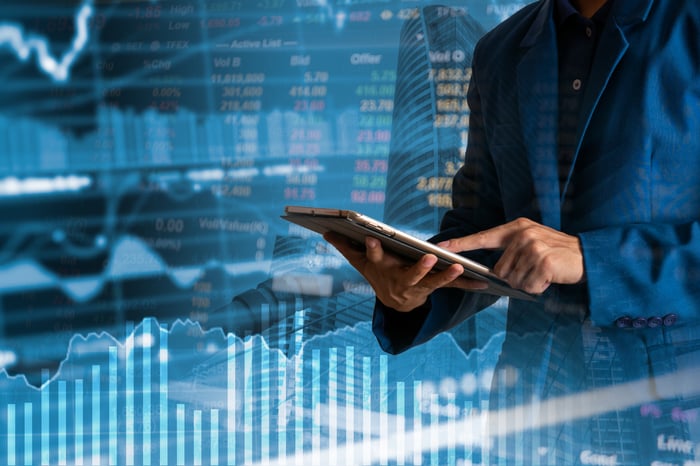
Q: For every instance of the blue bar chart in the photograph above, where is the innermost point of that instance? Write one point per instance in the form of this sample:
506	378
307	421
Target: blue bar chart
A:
241	403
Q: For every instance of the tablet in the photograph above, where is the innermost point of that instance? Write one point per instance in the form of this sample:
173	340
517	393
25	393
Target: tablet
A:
357	226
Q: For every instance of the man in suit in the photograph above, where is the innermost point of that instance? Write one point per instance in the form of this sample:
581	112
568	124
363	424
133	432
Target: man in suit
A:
580	185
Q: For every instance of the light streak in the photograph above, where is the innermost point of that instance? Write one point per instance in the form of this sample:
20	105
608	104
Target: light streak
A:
477	429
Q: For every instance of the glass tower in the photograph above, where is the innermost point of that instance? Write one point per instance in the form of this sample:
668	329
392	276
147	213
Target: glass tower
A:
430	118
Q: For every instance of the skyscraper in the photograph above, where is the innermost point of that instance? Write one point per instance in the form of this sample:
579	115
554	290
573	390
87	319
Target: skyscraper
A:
430	117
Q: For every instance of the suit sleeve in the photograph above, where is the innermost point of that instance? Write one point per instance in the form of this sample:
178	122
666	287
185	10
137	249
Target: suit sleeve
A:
651	269
643	271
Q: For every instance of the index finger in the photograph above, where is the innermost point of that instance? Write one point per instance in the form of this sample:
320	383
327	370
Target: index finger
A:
493	238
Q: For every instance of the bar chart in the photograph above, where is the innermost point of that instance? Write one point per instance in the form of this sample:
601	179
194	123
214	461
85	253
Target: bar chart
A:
239	401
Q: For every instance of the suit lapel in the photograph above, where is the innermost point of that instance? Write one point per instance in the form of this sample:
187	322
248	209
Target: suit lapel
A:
611	48
538	106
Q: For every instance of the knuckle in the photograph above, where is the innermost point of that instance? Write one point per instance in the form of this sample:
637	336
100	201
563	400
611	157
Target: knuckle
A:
530	285
529	234
538	248
522	222
531	289
530	246
547	262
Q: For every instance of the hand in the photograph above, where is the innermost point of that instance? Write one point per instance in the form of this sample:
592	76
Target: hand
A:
397	284
534	256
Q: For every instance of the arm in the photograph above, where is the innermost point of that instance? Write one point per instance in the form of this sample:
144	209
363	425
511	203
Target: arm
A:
643	271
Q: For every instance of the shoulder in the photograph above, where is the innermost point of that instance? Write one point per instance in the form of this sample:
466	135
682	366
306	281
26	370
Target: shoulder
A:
660	14
691	8
685	12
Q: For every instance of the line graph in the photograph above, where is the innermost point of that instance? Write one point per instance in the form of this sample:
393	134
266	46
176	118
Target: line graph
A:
25	45
131	258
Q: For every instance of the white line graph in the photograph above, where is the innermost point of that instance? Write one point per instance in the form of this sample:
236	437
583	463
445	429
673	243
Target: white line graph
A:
25	46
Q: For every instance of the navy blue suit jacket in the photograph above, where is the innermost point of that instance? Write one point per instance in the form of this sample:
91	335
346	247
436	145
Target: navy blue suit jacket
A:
632	194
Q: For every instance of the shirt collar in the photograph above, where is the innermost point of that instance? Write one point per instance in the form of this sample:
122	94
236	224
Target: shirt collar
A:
564	9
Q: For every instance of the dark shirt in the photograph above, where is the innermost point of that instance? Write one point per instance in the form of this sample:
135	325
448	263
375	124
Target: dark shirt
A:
577	40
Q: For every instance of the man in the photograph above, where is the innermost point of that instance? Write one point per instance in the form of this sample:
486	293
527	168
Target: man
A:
580	185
